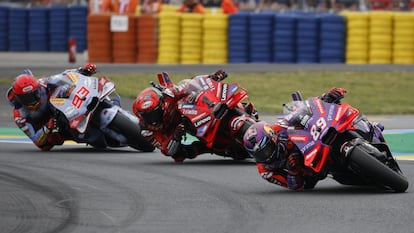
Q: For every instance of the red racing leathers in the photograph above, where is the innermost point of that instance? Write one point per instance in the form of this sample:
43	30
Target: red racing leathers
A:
168	135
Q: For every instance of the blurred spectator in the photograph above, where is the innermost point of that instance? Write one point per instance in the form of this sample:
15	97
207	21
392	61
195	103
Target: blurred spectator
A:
351	5
399	5
211	3
193	6
100	6
380	4
248	5
265	5
116	6
124	6
151	7
229	7
411	5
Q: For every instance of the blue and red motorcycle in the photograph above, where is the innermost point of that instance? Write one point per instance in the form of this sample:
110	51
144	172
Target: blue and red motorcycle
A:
337	140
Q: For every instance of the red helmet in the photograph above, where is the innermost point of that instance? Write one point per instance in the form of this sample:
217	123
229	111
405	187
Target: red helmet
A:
26	89
148	106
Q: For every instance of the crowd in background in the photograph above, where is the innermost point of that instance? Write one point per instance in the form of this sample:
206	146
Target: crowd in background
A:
232	6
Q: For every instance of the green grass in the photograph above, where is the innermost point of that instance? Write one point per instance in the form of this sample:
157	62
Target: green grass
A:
371	92
389	92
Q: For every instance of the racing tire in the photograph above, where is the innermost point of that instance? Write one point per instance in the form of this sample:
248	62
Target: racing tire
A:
361	159
132	131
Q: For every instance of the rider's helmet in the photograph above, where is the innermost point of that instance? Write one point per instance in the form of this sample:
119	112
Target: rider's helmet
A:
26	90
260	141
148	107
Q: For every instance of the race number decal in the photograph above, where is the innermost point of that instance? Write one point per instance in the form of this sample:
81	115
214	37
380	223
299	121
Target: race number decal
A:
317	128
79	97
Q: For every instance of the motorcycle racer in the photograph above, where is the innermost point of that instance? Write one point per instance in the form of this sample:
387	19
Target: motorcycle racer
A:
32	113
277	158
157	110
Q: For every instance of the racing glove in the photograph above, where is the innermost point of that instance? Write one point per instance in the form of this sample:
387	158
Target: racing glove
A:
334	95
218	76
50	126
294	164
88	69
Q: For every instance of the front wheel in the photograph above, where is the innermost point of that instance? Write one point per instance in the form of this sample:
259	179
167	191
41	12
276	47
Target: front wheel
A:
132	131
362	161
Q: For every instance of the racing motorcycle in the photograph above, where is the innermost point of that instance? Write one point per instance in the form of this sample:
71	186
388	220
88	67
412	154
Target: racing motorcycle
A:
336	139
216	113
85	113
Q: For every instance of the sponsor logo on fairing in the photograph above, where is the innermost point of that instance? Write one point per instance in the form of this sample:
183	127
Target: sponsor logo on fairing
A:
202	121
330	112
224	92
320	107
186	106
190	112
307	146
210	84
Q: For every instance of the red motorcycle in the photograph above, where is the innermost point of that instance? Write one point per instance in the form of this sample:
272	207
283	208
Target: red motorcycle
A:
214	112
336	139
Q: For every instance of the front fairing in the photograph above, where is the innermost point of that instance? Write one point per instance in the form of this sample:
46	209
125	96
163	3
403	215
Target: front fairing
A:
76	96
315	118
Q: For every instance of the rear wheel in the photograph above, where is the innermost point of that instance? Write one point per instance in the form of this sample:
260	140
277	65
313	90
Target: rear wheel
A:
362	161
132	131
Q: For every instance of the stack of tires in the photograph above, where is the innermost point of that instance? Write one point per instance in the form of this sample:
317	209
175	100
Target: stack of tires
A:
332	39
307	38
146	29
357	31
4	27
380	37
124	44
191	38
18	29
238	38
38	20
261	38
169	38
215	39
58	29
284	35
403	38
99	38
77	26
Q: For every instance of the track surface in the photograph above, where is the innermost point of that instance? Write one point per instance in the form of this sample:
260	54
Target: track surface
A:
78	189
75	188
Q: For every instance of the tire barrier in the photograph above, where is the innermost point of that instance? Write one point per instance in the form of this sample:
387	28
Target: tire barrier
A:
215	39
191	38
357	32
124	44
4	25
168	38
58	29
147	47
373	37
284	34
38	33
403	38
99	38
77	16
18	29
238	37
